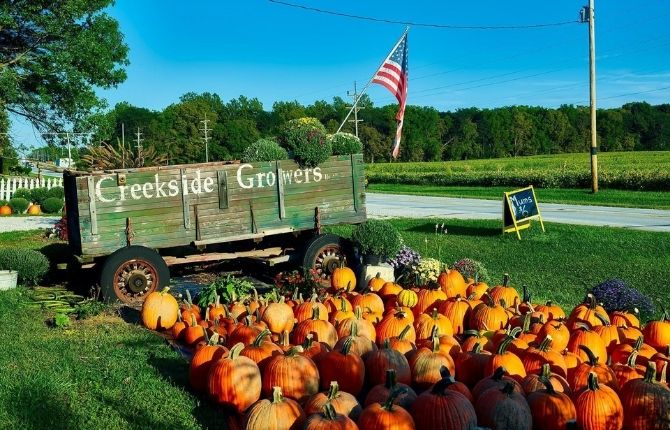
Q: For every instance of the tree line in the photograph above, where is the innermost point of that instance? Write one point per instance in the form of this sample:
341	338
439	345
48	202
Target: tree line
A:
428	135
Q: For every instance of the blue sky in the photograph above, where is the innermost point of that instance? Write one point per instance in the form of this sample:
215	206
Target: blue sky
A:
273	52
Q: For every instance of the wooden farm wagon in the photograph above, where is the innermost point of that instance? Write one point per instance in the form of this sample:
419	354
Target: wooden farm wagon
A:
134	223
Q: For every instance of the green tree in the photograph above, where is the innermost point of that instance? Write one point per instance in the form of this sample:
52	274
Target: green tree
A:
53	55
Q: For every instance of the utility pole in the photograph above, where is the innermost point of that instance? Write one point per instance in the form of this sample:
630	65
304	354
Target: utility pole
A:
139	140
354	96
588	15
206	138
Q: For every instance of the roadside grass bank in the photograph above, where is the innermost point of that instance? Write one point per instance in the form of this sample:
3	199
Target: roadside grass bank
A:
617	170
604	197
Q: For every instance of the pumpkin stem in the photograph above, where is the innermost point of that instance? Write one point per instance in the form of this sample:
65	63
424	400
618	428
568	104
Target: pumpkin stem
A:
436	340
502	303
188	298
434	315
404	331
545	372
235	350
293	351
505	279
213	339
193	323
391	379
593	360
504	344
165	290
441	385
508	388
307	343
261	336
333	390
526	295
388	405
590	301
478	348
546	343
604	320
284	338
346	346
650	373
277	396
315	312
329	411
499	373
593	382
358	312
632	358
638	343
663	376
354	330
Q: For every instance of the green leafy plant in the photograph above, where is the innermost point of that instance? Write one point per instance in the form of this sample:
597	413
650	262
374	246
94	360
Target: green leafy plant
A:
61	321
31	265
39	195
345	143
264	150
473	269
89	308
377	237
58	192
52	205
305	139
228	288
18	204
3	202
23	193
294	283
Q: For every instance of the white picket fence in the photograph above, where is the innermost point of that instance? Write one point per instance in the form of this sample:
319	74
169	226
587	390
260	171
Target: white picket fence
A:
9	185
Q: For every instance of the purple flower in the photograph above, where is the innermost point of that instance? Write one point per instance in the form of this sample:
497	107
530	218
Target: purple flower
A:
616	295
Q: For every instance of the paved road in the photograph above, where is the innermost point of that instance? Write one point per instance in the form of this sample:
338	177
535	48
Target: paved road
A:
14	223
396	205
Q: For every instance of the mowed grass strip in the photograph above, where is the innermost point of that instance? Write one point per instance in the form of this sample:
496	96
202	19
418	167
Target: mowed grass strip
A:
605	197
101	373
560	265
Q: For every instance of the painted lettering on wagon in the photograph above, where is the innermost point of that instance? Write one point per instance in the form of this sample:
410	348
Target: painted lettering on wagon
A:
197	185
268	179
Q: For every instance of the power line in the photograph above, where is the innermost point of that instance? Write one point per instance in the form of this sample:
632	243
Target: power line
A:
423	24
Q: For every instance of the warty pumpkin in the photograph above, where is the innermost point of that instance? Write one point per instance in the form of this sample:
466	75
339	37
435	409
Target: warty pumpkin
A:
503	409
278	413
234	380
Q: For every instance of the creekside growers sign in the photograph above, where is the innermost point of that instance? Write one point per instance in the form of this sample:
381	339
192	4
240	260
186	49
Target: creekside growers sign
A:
195	184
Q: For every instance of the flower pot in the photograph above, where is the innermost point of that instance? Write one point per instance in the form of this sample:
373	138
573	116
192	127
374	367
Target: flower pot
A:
8	279
373	260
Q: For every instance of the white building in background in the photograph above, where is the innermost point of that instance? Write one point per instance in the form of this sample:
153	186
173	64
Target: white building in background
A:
64	163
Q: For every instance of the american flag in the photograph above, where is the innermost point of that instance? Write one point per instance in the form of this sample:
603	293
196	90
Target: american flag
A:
393	75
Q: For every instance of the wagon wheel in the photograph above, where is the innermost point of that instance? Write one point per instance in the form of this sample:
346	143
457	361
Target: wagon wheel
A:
324	253
131	273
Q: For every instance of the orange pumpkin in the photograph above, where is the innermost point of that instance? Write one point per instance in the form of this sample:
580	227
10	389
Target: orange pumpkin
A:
504	294
598	407
378	363
329	420
581	373
201	363
426	365
488	315
277	414
646	403
305	310
551	409
5	210
392	325
503	408
278	317
343	366
387	416
296	374
424	325
380	392
375	284
342	402
504	358
443	407
343	279
159	310
657	333
452	283
261	349
457	312
34	210
235	381
323	331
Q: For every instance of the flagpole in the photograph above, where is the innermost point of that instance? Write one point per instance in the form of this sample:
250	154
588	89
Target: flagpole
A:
360	95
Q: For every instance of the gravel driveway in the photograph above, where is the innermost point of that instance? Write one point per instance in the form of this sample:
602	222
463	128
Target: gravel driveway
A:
15	223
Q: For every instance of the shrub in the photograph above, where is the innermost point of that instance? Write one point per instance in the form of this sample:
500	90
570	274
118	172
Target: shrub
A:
23	193
39	195
345	144
31	265
58	192
52	205
616	295
19	204
377	237
264	150
305	139
472	269
3	202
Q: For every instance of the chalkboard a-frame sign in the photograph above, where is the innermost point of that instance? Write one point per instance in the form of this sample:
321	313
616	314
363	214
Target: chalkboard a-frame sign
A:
519	208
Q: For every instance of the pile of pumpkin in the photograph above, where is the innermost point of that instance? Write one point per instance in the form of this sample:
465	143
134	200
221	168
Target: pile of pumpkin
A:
457	356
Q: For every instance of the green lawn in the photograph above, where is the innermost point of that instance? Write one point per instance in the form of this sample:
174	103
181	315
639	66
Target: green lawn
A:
102	373
605	197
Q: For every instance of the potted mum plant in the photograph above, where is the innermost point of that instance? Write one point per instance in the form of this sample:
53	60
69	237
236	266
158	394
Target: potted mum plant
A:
377	240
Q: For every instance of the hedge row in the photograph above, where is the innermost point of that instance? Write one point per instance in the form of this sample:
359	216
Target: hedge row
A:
625	180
